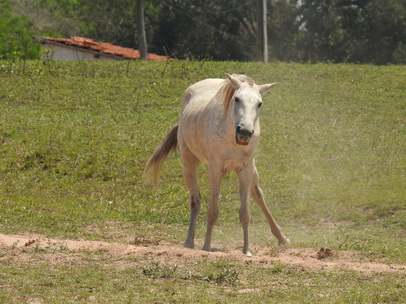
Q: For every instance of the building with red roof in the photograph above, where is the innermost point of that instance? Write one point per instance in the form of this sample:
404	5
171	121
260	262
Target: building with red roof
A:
81	48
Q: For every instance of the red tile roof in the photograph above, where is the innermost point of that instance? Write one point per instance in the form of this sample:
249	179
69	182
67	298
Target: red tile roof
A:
105	47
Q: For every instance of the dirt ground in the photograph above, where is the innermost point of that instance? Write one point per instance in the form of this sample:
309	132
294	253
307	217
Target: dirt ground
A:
63	251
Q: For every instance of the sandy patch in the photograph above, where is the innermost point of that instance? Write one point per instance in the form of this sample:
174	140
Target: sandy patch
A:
316	259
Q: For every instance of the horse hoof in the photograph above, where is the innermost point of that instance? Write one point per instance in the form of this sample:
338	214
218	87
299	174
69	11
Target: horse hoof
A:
284	241
205	248
188	245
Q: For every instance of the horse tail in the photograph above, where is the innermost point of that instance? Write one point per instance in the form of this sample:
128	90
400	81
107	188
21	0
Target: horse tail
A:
167	145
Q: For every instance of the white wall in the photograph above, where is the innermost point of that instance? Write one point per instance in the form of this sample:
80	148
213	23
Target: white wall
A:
57	52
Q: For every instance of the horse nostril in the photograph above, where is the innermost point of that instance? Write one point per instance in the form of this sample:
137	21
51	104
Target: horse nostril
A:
245	132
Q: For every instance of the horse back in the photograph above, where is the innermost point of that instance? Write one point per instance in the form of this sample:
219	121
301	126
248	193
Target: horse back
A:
201	92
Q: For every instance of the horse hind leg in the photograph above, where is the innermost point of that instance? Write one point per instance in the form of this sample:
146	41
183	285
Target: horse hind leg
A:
258	197
190	163
194	212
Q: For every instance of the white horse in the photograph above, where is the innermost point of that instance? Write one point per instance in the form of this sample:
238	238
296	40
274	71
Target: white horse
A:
219	126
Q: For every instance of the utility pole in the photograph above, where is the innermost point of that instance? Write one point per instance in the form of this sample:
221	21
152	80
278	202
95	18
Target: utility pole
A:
142	38
262	39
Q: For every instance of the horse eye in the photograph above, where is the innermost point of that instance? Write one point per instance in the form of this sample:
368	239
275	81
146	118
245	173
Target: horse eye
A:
260	104
236	99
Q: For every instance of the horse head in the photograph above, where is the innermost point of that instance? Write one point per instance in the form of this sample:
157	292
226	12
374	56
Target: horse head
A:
243	107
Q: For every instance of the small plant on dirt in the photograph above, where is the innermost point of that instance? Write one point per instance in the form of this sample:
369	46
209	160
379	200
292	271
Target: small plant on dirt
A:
226	276
15	244
160	270
277	268
142	240
63	247
37	248
349	241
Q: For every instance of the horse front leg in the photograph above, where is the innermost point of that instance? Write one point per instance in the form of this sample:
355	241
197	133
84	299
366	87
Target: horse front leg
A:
245	177
215	176
258	197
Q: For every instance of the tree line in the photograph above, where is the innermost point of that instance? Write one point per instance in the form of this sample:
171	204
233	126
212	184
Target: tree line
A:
359	31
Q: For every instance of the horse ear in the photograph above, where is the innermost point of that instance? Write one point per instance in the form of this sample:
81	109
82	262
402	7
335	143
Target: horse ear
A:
265	87
234	81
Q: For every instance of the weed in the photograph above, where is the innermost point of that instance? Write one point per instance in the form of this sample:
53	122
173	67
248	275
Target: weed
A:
277	268
349	241
225	276
159	270
63	247
37	248
15	244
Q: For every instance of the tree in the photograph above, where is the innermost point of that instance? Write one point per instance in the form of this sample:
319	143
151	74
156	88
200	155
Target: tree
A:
383	33
353	31
262	30
216	29
365	31
142	39
16	35
284	30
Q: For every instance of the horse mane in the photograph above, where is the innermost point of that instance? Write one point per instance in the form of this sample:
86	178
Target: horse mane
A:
227	90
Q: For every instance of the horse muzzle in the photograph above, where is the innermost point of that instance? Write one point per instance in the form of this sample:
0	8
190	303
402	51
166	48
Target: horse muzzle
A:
243	135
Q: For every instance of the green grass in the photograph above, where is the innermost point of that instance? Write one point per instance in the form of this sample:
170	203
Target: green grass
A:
332	143
75	137
100	279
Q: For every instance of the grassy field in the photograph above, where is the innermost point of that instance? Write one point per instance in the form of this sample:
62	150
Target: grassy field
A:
74	139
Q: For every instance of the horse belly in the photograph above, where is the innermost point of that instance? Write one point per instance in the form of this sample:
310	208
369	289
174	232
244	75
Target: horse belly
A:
193	133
